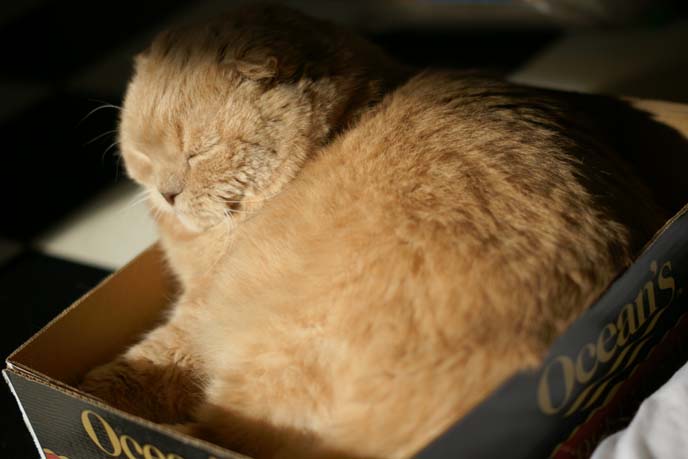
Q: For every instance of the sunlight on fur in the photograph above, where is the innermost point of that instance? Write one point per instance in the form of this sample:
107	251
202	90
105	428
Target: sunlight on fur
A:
365	251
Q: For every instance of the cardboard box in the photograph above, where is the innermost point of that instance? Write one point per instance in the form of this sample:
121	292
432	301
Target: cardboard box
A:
595	375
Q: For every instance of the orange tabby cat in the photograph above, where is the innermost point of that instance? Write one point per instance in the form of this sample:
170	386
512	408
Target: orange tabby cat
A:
358	272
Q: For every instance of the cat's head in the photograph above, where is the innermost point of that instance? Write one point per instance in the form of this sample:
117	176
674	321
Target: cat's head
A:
219	116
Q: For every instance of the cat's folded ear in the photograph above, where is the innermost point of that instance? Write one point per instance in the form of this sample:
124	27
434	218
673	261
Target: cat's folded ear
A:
254	64
262	60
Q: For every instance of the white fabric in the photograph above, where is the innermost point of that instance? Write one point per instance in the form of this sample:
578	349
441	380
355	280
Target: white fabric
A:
659	429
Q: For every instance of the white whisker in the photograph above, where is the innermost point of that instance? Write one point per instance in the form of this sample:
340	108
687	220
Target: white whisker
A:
105	102
118	167
115	143
157	212
100	136
227	245
239	212
139	201
141	197
98	108
251	201
142	192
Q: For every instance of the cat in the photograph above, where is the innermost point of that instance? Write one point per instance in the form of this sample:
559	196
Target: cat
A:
364	251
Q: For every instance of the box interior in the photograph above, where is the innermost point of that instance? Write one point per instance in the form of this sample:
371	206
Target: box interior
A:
100	325
115	314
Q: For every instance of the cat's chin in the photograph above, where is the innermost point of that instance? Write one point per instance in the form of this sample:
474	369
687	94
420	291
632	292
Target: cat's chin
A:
188	224
194	226
191	224
183	223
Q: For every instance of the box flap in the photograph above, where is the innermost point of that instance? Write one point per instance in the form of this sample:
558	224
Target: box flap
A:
657	150
101	324
670	113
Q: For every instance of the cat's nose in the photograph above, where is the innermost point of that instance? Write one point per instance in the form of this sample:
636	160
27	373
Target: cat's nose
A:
170	197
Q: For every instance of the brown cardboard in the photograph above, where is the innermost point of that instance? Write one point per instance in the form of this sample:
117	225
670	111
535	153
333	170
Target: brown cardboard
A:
95	328
670	113
43	372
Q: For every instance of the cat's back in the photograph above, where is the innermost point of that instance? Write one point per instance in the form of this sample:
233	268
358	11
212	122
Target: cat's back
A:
449	236
488	168
460	203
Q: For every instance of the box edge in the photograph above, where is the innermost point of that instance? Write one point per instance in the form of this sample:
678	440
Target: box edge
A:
27	422
74	393
11	359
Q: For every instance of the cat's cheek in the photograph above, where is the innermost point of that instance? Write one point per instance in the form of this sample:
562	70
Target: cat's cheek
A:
189	223
138	167
204	216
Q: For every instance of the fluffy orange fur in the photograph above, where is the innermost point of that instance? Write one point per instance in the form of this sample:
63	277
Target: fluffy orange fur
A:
358	272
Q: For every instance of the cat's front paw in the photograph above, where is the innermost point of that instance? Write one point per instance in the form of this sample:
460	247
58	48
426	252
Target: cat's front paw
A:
116	384
187	428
